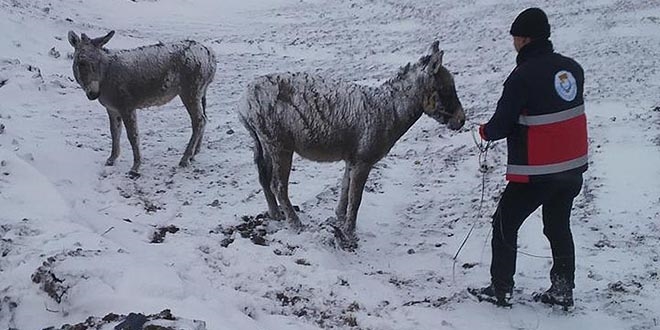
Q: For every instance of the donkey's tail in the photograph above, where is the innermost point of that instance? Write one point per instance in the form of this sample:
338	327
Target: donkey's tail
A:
261	158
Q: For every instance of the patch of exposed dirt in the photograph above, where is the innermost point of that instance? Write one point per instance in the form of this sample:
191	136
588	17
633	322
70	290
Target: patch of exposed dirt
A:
136	321
8	306
56	285
299	301
252	227
159	234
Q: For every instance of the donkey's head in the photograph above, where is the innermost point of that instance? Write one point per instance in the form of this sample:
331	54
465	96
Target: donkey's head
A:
439	99
88	65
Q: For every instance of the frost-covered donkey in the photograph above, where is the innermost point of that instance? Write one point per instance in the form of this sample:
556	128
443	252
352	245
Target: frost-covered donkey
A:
325	120
126	80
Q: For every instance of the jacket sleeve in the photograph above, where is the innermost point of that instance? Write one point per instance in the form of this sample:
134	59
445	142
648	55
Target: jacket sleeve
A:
509	108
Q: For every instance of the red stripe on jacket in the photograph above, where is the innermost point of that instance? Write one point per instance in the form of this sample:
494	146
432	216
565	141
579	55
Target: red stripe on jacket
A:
557	142
518	178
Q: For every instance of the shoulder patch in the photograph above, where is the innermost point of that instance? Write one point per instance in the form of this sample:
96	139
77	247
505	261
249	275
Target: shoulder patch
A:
565	85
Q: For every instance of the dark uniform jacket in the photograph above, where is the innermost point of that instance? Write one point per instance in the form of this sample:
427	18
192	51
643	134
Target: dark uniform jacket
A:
541	113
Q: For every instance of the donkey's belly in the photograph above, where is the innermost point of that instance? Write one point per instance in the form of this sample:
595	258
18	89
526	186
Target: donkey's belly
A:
322	142
154	89
156	99
320	152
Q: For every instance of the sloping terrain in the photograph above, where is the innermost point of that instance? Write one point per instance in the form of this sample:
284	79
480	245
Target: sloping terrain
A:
79	239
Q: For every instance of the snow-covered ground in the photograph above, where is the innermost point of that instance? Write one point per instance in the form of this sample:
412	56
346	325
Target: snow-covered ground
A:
75	236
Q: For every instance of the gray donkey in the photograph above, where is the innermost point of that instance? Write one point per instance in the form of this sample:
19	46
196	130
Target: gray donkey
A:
126	80
325	121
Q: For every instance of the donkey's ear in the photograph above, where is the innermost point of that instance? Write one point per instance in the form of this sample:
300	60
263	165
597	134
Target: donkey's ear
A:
99	42
435	47
436	62
84	37
436	57
74	40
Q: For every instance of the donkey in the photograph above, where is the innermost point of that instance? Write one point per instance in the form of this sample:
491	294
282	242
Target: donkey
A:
325	121
126	80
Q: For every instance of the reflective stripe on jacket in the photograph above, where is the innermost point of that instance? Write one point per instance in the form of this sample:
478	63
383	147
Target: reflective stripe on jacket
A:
541	114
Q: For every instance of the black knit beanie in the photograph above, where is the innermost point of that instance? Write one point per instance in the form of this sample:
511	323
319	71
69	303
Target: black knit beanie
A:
532	23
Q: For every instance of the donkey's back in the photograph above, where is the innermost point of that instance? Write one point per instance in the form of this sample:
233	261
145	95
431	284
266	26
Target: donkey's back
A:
126	80
153	75
321	119
326	120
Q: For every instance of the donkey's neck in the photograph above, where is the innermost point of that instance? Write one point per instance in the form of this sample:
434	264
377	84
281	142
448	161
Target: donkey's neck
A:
407	105
105	62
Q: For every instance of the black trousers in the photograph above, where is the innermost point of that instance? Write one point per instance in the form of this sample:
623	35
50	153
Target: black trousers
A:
518	201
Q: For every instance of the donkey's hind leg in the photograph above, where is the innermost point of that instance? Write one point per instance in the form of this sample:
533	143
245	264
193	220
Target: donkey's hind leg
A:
358	177
281	169
198	120
265	168
198	144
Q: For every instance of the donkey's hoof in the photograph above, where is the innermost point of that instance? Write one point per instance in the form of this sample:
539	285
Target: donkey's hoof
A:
184	163
348	244
339	220
277	216
297	227
110	162
332	222
347	240
133	174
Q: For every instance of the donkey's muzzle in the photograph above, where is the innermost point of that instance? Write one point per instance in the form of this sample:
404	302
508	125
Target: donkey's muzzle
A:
457	121
93	95
92	90
456	124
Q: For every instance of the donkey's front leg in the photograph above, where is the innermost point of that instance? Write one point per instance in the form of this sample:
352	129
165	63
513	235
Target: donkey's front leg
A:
340	211
198	120
358	177
115	133
130	122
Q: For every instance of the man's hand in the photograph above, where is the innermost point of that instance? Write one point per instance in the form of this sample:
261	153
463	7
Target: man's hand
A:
482	133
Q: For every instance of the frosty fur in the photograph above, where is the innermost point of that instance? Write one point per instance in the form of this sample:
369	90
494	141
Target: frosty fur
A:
126	80
325	120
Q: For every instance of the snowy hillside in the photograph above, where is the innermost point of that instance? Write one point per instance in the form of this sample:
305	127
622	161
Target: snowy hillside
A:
80	239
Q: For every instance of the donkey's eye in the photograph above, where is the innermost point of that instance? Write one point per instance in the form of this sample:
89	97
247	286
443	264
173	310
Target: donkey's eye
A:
445	92
85	66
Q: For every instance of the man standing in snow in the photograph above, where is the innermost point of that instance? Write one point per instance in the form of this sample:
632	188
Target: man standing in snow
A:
541	114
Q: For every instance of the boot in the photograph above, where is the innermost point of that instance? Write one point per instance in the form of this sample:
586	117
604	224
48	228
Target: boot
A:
556	295
492	295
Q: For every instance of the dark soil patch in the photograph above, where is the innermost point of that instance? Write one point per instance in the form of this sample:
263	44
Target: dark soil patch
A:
159	235
628	287
428	302
7	305
251	227
132	321
53	284
301	302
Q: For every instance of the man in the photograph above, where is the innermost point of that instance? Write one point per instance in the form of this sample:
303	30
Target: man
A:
541	114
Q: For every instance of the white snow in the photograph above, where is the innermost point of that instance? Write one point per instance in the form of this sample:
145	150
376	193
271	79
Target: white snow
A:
58	200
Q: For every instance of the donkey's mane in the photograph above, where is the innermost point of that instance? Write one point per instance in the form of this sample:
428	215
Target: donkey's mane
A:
404	71
186	42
